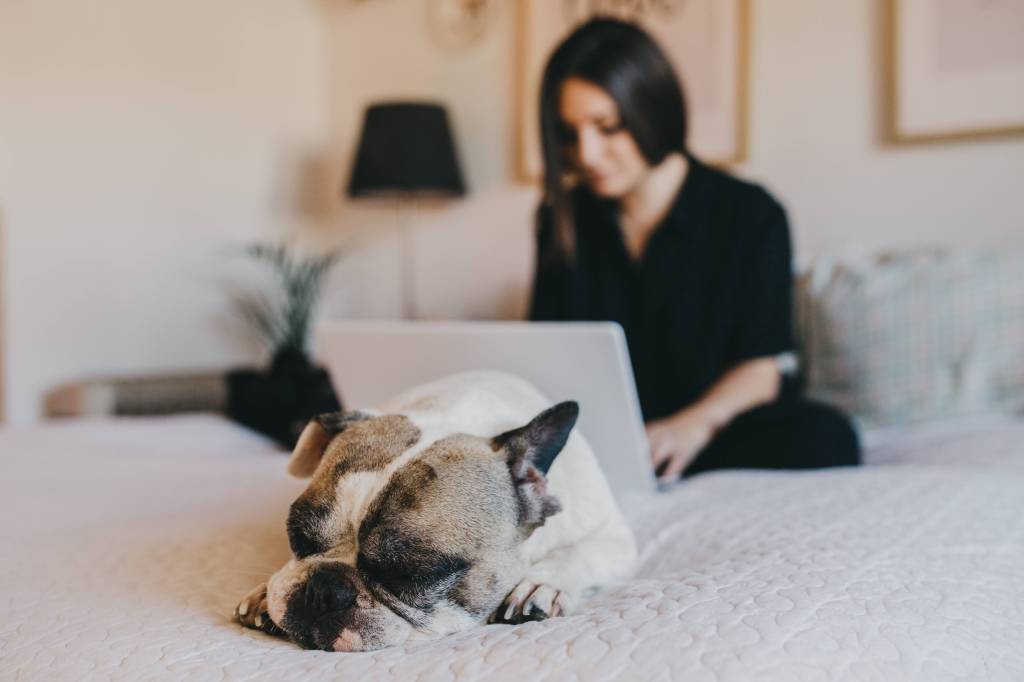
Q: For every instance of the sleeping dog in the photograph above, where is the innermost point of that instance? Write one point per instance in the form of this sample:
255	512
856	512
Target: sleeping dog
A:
464	501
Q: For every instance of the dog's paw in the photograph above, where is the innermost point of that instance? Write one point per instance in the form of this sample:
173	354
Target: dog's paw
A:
532	601
252	612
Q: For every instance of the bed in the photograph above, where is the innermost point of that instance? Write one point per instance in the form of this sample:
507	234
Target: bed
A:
128	542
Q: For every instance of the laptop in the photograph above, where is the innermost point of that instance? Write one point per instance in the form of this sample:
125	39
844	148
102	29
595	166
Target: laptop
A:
588	362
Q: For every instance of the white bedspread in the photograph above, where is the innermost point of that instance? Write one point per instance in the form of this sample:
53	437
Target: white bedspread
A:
126	545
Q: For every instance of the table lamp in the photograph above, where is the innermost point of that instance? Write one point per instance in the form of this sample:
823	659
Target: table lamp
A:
406	151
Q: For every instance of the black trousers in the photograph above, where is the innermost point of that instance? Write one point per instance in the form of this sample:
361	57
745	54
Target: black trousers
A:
794	433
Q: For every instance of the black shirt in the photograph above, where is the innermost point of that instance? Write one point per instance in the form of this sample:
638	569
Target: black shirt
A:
712	288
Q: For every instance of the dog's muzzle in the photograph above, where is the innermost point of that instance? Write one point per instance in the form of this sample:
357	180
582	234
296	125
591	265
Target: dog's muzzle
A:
321	608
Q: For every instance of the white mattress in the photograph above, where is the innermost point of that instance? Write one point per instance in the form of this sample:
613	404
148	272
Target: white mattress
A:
126	545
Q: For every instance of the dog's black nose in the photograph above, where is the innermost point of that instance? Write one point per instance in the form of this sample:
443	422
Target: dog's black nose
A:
329	590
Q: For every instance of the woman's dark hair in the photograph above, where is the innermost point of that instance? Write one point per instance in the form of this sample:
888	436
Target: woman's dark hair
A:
624	61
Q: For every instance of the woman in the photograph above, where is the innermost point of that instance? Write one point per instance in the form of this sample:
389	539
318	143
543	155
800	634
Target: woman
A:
694	264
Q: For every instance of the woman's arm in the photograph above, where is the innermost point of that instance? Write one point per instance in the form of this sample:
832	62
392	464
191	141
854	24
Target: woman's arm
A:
675	440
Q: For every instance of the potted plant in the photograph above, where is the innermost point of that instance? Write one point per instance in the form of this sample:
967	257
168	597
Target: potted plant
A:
279	400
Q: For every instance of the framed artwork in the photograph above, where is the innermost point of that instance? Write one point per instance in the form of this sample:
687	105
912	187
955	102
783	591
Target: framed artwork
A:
706	41
956	69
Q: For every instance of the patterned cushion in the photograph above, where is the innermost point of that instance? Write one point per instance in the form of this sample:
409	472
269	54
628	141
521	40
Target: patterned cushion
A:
915	335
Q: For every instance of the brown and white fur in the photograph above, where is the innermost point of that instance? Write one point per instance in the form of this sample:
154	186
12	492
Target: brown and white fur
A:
464	501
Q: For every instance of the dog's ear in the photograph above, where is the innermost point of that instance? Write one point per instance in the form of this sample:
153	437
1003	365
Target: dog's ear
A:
313	440
529	451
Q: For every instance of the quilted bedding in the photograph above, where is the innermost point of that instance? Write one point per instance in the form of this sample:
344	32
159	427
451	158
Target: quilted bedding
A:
126	545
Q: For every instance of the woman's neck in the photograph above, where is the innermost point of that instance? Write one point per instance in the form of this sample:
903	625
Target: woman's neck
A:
647	204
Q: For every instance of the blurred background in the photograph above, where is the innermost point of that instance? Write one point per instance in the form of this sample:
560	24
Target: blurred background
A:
143	141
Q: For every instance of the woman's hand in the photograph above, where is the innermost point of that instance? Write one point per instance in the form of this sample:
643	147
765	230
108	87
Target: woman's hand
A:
677	439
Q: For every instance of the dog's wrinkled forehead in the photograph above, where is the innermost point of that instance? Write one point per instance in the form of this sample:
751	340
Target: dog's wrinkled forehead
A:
368	443
362	481
454	482
352	440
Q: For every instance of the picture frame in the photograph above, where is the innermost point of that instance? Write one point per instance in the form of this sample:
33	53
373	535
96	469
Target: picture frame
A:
706	41
955	70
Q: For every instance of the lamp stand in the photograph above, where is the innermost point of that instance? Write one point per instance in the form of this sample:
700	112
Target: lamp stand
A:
408	260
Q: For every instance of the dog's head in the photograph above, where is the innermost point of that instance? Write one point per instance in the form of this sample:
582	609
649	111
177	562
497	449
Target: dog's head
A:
396	539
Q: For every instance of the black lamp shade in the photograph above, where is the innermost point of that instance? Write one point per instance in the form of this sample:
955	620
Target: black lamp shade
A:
406	148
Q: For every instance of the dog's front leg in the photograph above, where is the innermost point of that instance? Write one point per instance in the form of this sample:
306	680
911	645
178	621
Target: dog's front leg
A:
554	585
252	612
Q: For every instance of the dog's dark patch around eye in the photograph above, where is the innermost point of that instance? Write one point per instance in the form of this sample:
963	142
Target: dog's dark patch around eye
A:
410	570
304	519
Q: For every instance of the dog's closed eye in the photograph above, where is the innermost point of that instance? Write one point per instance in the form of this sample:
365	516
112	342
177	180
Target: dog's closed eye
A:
416	575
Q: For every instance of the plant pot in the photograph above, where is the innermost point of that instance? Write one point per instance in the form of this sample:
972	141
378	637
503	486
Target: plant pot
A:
279	402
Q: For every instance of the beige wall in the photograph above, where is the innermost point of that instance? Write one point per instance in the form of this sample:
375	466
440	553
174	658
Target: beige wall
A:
138	139
816	93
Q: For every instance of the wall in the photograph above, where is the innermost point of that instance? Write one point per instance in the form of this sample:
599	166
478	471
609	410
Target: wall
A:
139	141
147	136
816	108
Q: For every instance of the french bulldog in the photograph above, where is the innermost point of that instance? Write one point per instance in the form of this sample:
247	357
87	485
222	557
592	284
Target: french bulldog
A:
464	501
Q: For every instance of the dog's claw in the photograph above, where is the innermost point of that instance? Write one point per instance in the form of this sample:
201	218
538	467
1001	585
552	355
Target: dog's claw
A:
251	609
530	601
252	612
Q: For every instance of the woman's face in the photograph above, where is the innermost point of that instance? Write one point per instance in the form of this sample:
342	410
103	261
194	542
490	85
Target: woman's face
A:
595	142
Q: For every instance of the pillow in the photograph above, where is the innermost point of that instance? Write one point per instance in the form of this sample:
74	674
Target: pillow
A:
914	335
